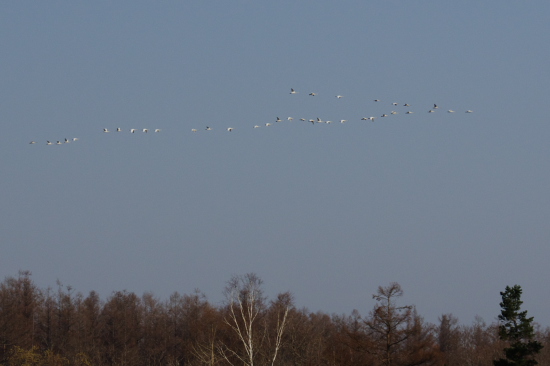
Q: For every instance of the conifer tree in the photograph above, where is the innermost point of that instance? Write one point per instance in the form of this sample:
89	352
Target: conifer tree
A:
517	329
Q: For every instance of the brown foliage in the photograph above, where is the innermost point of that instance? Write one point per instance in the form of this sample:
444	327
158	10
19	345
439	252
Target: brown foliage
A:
45	327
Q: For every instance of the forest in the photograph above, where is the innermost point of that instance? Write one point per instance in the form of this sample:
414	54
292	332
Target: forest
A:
64	327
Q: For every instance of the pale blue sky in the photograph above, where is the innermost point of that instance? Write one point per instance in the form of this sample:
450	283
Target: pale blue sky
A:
454	207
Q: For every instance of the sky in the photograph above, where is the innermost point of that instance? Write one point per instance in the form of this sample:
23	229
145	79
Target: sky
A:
452	206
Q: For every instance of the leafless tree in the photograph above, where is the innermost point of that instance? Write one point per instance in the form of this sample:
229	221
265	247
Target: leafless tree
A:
246	312
387	323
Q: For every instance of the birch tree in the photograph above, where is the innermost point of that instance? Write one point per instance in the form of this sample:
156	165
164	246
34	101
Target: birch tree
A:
246	318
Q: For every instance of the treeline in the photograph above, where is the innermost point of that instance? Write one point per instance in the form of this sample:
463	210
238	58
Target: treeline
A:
64	327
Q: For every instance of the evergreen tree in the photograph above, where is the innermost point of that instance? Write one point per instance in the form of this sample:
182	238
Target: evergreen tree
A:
517	329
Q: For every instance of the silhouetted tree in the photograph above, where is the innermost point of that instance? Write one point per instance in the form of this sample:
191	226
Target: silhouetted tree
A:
387	325
396	334
517	329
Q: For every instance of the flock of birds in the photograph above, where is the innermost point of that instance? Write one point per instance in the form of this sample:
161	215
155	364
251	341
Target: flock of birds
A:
277	120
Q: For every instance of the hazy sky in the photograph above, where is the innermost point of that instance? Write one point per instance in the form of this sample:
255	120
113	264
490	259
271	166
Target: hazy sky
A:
453	206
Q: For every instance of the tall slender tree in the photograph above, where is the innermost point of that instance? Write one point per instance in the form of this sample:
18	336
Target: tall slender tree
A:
517	329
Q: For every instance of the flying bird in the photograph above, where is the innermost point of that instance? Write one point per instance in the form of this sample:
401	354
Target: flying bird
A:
132	130
145	130
106	130
292	91
435	106
193	130
384	115
394	103
393	112
450	111
469	111
278	120
339	96
302	119
118	129
267	124
290	118
409	112
343	120
431	111
32	142
66	141
75	138
48	143
377	100
256	126
313	94
230	129
208	128
58	143
157	130
406	105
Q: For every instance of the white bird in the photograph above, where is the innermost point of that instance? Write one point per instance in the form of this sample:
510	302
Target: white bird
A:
394	103
343	120
319	120
132	130
145	130
32	142
450	111
290	118
75	138
435	106
384	115
339	96
292	91
313	94
193	130
208	128
230	129
329	122
409	112
118	129
157	130
312	120
66	141
278	120
377	100
372	118
406	105
256	126
302	119
48	143
267	124
364	118
58	143
469	111
106	130
431	111
393	112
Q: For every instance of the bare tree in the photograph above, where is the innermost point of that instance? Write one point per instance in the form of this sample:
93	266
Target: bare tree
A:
246	317
387	323
448	336
276	318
